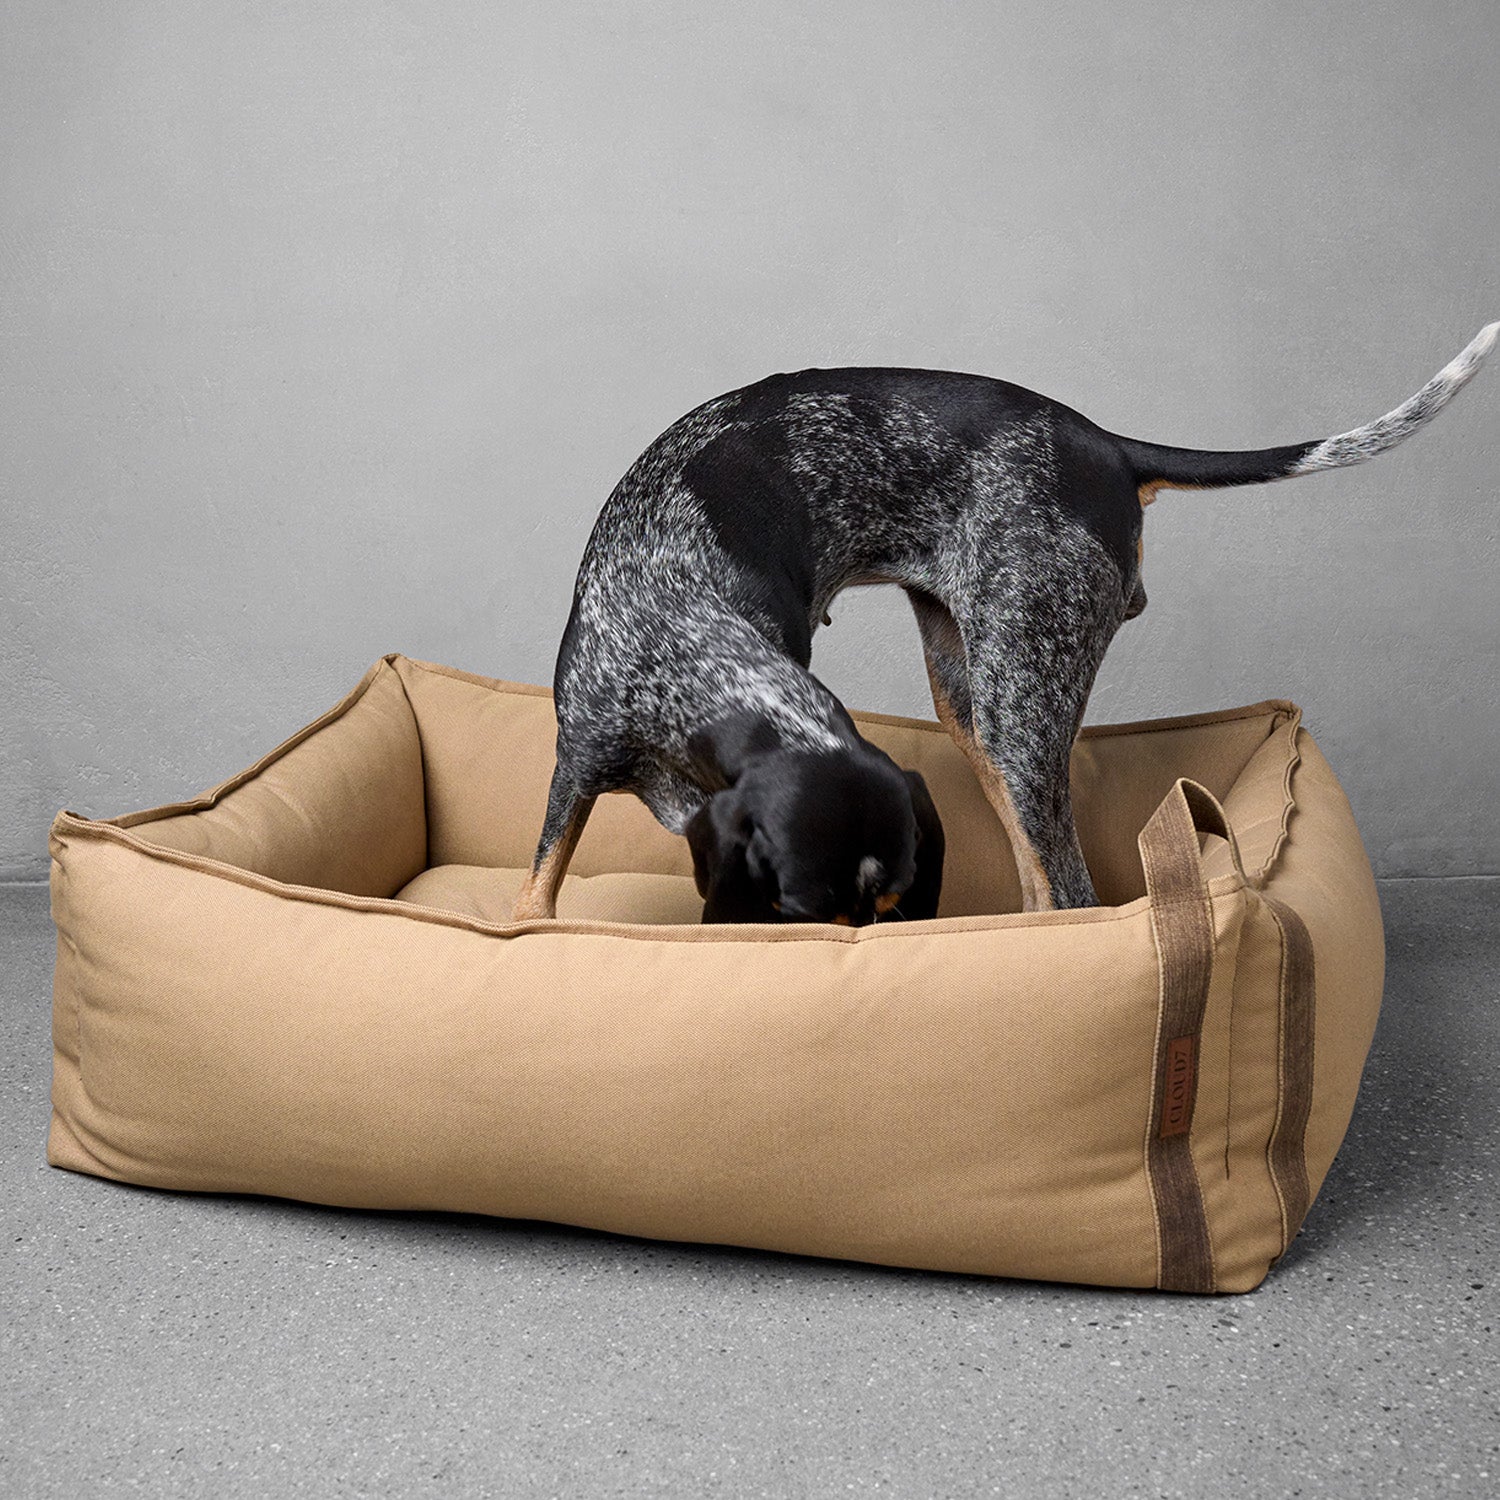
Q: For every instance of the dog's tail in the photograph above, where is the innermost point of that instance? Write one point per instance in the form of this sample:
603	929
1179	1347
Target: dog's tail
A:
1157	467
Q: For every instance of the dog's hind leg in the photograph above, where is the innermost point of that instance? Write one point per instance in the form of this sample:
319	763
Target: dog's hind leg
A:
1035	633
952	697
567	812
947	667
1022	761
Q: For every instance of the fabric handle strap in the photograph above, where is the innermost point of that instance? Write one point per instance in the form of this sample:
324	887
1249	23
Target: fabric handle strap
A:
1183	929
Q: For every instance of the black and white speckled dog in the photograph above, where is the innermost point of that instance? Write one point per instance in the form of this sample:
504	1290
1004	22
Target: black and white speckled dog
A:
1014	525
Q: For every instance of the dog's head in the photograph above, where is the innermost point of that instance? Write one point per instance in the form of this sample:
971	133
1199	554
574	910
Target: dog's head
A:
797	835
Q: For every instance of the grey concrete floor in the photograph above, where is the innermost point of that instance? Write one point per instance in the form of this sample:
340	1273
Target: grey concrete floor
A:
182	1345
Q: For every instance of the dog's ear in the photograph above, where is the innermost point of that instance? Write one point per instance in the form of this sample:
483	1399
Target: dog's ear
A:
730	876
717	834
921	898
719	751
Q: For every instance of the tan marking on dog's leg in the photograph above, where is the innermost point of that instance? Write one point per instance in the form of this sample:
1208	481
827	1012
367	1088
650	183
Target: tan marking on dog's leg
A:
1036	889
537	897
946	717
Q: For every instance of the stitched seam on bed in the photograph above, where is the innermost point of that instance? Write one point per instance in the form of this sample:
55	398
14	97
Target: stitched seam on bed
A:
216	794
1230	956
1214	957
416	721
1286	1153
1271	1139
1288	796
674	932
1265	709
1152	1105
77	1000
493	684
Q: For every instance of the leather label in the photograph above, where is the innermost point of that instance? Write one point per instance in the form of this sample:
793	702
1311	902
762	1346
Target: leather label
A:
1177	1086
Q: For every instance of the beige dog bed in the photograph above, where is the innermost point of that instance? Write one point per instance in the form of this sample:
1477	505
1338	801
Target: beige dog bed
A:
305	983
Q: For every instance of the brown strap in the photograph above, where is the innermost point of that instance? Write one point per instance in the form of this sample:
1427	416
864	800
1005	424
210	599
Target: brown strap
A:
1286	1152
1182	925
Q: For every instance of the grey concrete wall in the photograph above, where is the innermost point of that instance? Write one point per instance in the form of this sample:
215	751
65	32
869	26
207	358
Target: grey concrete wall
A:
327	327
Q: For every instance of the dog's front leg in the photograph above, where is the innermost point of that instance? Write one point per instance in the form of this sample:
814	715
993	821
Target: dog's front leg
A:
567	812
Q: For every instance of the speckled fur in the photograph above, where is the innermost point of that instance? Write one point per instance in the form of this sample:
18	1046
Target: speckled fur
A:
667	632
1013	523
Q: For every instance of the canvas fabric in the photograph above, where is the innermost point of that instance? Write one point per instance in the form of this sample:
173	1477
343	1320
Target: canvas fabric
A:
304	983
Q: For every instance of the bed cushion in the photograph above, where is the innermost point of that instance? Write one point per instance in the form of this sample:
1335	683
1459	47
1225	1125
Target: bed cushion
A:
488	893
305	983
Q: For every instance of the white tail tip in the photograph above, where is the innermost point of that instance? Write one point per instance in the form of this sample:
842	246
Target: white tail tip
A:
1396	426
1471	357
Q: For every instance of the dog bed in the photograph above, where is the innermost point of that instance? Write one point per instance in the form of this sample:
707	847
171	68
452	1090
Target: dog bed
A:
305	983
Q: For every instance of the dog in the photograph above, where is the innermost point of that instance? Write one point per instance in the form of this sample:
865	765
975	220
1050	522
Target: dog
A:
1013	523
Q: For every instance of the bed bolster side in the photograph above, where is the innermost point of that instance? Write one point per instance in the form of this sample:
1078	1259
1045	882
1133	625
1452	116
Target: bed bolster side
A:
341	805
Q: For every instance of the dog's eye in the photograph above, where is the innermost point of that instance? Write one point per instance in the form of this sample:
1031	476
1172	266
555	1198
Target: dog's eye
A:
776	906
